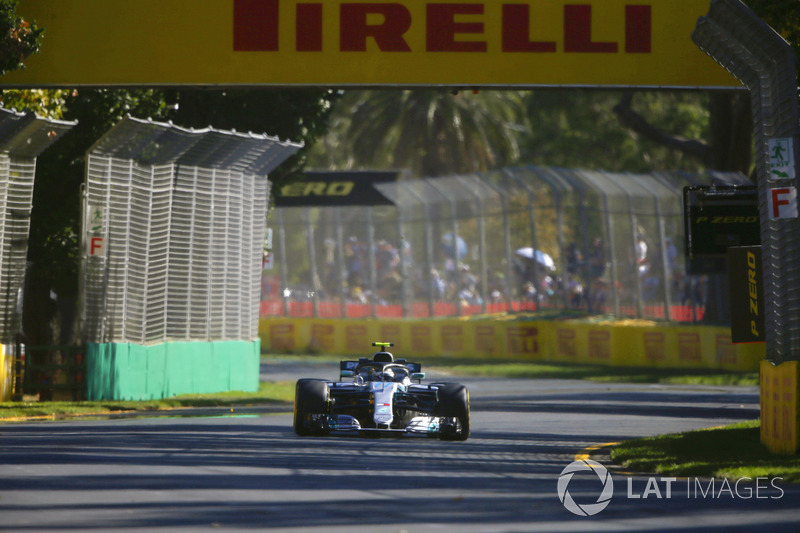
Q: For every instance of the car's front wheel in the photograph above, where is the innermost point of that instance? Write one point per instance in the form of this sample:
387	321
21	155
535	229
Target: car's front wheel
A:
311	408
454	412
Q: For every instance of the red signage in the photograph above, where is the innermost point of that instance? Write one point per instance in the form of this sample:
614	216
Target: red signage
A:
256	28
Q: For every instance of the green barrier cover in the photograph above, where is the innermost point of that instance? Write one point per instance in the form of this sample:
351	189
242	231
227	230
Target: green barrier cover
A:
124	371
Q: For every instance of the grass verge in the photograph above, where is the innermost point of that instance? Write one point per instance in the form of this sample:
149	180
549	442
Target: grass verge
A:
731	452
531	370
268	393
284	392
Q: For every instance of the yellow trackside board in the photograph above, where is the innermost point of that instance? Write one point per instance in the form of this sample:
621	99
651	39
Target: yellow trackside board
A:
622	43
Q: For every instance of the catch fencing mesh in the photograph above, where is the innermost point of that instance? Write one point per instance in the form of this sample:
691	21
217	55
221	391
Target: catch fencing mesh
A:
23	136
174	248
516	239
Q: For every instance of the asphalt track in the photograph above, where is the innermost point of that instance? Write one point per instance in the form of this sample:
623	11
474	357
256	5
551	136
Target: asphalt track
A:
247	469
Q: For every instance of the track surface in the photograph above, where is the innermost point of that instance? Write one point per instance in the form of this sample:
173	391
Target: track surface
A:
232	472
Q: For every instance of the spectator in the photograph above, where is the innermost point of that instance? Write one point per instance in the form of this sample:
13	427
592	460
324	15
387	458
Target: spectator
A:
600	288
355	261
597	259
438	285
574	259
387	260
652	282
672	256
574	292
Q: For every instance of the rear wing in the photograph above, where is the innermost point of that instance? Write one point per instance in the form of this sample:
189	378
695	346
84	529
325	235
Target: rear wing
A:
413	368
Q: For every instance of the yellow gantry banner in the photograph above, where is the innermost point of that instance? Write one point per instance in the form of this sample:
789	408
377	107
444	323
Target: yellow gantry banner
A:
643	43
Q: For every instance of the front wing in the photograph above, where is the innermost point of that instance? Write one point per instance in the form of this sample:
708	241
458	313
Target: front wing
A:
383	408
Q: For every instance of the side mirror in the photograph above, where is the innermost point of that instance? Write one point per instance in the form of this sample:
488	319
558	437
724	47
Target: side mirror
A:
419	376
346	374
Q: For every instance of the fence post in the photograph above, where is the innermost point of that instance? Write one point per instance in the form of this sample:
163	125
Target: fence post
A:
312	259
284	271
373	275
342	283
428	276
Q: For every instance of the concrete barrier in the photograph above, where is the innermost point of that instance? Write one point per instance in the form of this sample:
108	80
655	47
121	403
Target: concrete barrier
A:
6	375
125	371
780	416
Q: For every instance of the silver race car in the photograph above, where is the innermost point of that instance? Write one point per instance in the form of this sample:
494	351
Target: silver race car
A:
381	398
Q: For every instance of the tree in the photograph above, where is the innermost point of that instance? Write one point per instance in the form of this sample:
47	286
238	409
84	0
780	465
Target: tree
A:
577	128
573	128
432	132
47	103
784	17
20	38
299	115
729	146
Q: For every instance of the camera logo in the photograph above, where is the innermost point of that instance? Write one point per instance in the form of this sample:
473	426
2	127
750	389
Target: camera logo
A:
589	509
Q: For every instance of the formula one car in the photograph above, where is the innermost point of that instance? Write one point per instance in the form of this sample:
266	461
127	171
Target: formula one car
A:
381	399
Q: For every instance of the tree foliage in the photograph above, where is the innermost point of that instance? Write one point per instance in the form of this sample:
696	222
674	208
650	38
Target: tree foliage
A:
19	38
44	102
729	144
784	17
578	129
432	132
299	115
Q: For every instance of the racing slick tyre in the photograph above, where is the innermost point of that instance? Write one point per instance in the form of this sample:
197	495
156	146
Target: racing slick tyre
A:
311	408
454	406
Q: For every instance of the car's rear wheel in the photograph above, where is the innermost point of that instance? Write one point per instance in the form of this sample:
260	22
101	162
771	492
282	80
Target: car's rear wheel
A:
311	408
454	412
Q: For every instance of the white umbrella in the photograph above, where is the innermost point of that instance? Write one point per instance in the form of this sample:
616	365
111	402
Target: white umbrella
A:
542	258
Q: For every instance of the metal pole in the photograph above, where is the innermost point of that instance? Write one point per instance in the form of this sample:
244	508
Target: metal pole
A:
404	274
342	289
454	221
532	228
373	275
481	247
665	270
765	63
612	253
82	267
284	269
546	176
637	281
502	194
312	259
428	275
662	218
587	273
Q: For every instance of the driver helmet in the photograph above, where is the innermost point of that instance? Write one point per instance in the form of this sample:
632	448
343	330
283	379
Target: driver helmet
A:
388	374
